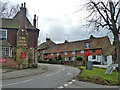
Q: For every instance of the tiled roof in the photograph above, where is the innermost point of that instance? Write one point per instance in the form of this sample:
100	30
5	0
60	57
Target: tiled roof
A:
95	43
46	45
15	23
42	46
109	50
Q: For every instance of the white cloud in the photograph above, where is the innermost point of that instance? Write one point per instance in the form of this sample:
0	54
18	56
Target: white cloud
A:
57	18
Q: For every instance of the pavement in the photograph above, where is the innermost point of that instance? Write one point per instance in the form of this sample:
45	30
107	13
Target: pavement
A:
12	73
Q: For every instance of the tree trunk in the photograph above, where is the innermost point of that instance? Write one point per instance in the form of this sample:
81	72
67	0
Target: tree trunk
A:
117	47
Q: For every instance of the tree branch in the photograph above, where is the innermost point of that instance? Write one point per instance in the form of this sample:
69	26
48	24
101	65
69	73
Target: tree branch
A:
105	6
102	15
117	15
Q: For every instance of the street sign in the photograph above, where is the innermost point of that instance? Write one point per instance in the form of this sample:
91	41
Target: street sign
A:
23	55
89	65
109	70
3	60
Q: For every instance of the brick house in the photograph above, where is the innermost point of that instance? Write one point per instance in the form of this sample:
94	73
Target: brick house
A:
9	29
97	48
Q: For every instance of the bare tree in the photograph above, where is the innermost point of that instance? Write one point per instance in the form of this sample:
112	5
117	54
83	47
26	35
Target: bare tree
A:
8	10
105	14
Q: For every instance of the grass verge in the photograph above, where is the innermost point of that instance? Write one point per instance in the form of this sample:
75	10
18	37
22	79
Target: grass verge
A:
98	76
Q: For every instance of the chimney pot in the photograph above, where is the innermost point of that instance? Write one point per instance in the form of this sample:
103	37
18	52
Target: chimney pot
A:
34	21
92	37
35	16
48	39
24	5
21	5
66	41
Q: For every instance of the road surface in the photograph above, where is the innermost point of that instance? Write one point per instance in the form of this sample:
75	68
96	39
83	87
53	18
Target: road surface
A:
56	76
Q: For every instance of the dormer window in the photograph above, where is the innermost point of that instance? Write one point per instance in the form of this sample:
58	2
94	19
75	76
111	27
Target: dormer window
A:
3	34
87	45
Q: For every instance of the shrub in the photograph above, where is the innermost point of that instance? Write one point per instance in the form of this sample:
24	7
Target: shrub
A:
59	57
79	58
35	65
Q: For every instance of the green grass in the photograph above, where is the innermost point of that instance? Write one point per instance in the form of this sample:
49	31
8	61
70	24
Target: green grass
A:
98	75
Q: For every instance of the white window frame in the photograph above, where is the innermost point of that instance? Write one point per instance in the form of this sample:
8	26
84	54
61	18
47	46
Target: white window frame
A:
6	53
73	58
82	51
51	54
87	45
1	34
73	52
65	53
66	58
58	54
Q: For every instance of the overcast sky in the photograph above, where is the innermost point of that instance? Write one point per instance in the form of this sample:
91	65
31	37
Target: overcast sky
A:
59	19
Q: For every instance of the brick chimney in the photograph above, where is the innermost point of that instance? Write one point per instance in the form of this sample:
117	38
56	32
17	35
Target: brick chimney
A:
23	15
66	41
34	21
92	37
48	39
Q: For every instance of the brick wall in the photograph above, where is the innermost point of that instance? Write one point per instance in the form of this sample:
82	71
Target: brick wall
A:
77	53
10	63
12	37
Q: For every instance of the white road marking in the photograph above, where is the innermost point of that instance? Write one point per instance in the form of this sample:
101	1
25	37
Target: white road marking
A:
52	74
69	73
73	80
65	85
63	69
29	79
60	87
18	82
70	82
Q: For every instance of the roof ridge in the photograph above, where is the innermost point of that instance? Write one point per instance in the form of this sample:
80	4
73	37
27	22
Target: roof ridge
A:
7	18
82	40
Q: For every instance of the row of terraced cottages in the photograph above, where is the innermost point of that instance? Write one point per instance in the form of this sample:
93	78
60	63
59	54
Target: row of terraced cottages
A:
98	50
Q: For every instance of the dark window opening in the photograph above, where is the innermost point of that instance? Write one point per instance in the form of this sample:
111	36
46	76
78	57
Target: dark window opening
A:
94	57
46	54
93	50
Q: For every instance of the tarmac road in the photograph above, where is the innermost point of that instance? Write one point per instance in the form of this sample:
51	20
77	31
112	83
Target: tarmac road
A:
56	76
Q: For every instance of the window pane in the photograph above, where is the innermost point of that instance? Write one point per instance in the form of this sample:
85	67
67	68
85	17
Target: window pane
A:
94	57
87	45
57	54
51	54
82	52
65	53
3	34
93	50
73	58
7	51
73	52
3	52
